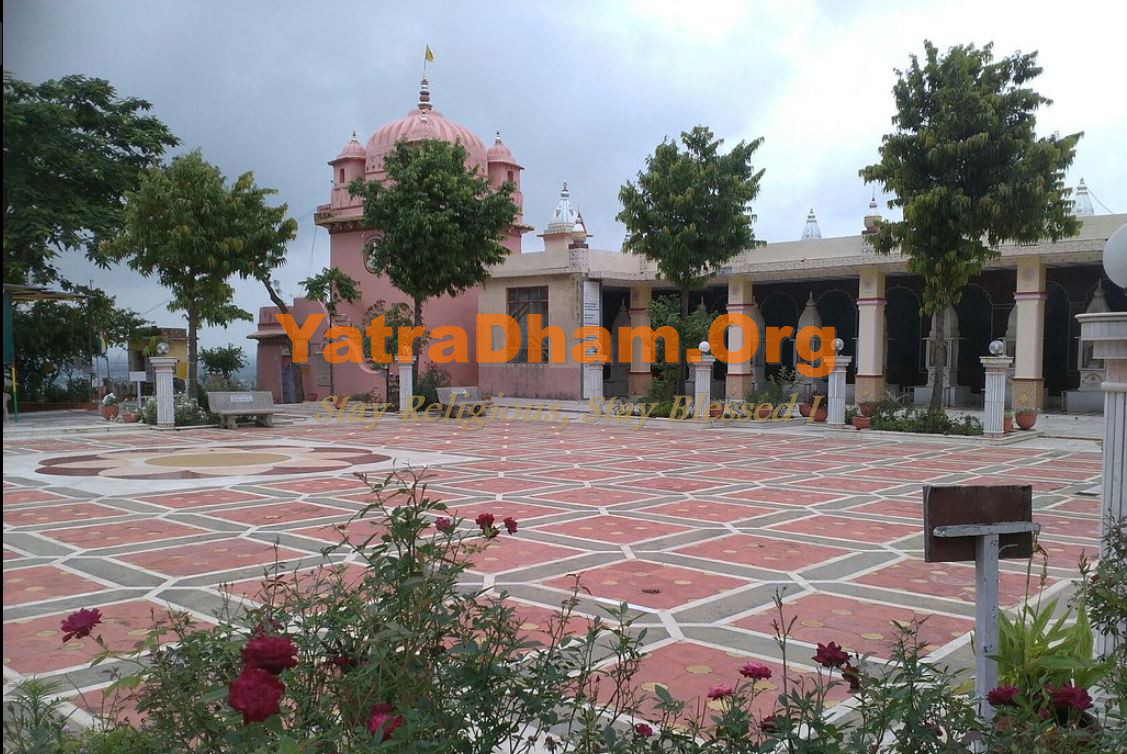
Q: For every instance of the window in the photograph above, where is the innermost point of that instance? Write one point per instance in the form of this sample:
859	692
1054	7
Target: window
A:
511	177
342	176
521	303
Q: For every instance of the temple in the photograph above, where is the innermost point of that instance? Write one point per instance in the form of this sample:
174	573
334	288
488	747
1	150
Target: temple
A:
1027	296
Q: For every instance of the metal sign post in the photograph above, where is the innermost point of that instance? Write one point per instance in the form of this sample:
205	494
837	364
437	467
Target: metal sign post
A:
983	524
987	547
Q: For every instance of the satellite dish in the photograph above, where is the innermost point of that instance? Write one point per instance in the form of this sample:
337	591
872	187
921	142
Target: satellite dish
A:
1115	257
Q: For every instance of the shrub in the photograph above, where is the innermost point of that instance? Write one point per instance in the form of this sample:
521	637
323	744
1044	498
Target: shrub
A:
187	412
890	417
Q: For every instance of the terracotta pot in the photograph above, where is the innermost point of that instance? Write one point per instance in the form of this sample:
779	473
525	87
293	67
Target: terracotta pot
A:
109	412
1026	421
715	411
1007	424
763	410
862	422
867	408
821	414
130	418
804	409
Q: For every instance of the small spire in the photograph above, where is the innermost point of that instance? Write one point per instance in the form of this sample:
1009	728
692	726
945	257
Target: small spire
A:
424	94
1082	204
497	137
873	203
354	134
811	230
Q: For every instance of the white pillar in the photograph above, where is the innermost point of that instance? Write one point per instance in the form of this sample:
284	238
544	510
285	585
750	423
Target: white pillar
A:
1108	334
163	367
702	386
406	385
593	381
836	398
995	403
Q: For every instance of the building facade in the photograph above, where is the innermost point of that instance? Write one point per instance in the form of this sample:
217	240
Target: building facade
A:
1028	297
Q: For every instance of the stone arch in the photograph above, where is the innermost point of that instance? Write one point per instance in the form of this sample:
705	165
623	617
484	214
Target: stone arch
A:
779	309
1058	355
976	329
839	311
905	333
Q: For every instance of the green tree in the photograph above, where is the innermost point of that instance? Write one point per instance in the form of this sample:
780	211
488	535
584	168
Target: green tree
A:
226	360
438	225
968	170
689	212
179	227
58	339
72	149
330	287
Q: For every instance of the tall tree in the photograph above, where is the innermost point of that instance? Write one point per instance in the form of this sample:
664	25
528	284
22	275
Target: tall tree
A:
967	168
330	287
72	149
178	226
689	211
438	225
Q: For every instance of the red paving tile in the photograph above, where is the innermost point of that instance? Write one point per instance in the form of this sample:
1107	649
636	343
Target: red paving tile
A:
784	495
36	646
596	496
497	485
951	580
19	497
617	529
896	508
221	555
859	626
1068	526
59	514
276	513
510	552
848	484
652	585
522	512
764	552
358	531
127	532
38	583
320	485
202	497
273	591
842	527
707	511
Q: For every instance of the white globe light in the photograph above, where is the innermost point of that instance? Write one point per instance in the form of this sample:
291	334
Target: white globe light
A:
1115	257
997	348
704	347
162	348
838	345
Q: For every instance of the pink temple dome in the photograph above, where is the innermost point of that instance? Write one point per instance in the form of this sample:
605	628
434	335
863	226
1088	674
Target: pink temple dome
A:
350	151
499	152
423	123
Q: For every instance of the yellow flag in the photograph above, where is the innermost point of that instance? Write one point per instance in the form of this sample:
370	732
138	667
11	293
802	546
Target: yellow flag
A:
428	55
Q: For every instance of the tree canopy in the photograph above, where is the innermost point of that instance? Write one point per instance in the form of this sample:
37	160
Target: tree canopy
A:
438	226
689	211
967	169
224	360
72	149
330	287
181	226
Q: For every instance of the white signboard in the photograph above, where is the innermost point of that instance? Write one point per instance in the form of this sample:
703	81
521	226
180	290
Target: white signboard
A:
592	317
141	376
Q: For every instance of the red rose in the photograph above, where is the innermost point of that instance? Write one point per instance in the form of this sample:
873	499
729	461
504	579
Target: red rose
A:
271	653
769	724
1003	696
643	730
831	655
510	524
78	625
383	721
1070	696
852	676
756	671
256	694
444	525
485	520
720	692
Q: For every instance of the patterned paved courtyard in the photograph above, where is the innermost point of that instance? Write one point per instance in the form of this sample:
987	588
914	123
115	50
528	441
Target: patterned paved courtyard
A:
695	528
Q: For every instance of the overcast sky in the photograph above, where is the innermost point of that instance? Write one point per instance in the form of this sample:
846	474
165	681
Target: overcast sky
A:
581	91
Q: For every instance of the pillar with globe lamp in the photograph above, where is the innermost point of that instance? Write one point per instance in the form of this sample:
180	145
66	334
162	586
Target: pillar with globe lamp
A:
994	405
1107	332
702	381
836	398
163	367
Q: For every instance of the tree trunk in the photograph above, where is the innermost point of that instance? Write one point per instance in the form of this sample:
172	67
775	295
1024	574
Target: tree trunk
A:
193	326
940	327
299	388
685	372
417	344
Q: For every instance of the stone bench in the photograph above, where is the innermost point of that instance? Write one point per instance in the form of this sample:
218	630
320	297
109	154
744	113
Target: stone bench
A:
462	396
229	406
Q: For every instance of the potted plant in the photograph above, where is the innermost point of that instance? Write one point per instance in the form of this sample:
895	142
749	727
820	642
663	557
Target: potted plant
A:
805	408
867	408
822	412
1007	421
854	416
130	414
1026	416
109	408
